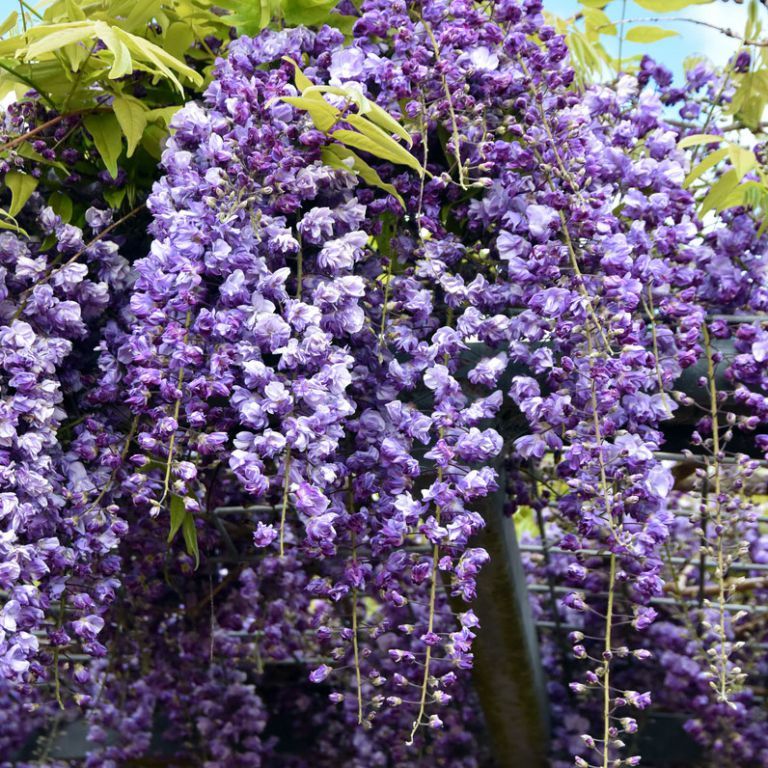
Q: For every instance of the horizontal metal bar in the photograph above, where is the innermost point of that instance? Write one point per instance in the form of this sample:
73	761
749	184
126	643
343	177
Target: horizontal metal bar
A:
692	601
539	550
702	460
739	318
234	510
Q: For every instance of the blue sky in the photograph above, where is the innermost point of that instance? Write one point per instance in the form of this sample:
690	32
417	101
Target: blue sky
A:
693	39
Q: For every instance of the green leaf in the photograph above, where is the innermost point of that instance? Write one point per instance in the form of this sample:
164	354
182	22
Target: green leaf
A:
178	513
22	185
343	23
178	39
62	206
152	141
307	12
649	34
107	137
699	138
373	139
8	222
141	13
250	18
114	197
265	7
338	156
189	531
719	193
323	115
749	102
708	162
165	63
667	6
132	118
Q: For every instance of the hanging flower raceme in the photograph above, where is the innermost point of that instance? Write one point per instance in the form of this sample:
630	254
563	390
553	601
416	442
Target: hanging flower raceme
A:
366	252
58	542
304	313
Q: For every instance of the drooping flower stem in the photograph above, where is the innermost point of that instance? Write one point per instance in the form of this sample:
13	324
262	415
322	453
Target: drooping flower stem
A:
286	492
287	461
456	136
430	629
720	574
607	661
176	412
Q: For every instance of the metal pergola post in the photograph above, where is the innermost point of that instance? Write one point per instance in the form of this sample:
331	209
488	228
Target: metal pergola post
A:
507	672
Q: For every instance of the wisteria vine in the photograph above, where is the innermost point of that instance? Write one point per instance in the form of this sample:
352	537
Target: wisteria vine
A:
242	463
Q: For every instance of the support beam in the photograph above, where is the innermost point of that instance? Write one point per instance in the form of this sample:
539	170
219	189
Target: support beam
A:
507	673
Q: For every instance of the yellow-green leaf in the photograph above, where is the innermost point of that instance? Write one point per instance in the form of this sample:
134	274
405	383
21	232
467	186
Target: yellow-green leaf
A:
152	141
107	137
338	156
114	197
52	37
699	138
163	115
710	161
74	11
122	64
365	106
8	222
719	193
383	119
307	12
132	118
649	34
22	185
667	6
373	139
742	159
323	115
744	194
302	81
9	23
76	54
599	22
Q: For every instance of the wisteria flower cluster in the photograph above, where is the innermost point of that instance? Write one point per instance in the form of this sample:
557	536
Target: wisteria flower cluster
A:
367	251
